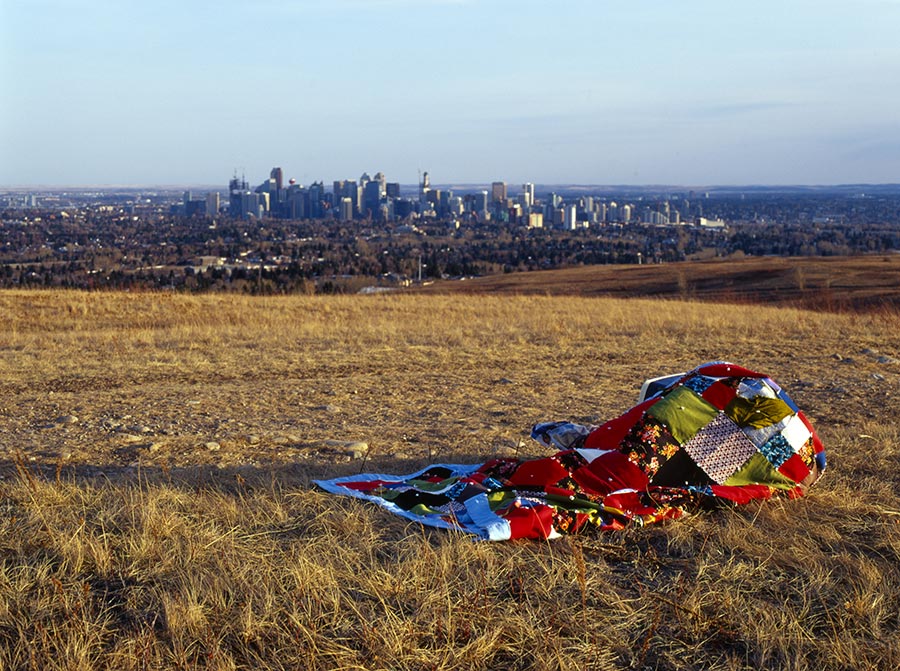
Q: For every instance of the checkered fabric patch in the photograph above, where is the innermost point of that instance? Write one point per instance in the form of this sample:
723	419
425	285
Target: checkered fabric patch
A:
720	448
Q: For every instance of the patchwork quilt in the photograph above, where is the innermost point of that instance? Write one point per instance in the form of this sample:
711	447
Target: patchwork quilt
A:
720	433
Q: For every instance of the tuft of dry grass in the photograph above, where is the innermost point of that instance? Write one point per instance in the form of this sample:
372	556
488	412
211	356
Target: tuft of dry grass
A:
127	542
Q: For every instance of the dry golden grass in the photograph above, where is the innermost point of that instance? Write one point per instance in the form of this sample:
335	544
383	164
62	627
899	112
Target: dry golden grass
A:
841	283
127	543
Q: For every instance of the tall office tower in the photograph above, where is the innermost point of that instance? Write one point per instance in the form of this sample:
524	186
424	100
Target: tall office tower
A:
268	186
570	217
297	204
236	189
316	199
212	203
612	212
625	214
424	188
353	192
346	209
481	204
278	175
528	192
346	188
254	205
392	189
382	182
372	195
559	218
498	192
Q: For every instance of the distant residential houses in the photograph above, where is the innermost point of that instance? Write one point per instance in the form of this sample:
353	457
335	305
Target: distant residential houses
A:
377	200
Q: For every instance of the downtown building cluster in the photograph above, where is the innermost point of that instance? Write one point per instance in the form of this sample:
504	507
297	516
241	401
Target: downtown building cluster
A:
377	200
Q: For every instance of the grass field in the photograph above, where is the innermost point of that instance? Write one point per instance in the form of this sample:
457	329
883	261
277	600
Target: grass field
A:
156	453
870	282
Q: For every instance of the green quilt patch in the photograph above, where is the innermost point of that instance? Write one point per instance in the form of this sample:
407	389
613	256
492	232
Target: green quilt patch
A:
684	412
759	471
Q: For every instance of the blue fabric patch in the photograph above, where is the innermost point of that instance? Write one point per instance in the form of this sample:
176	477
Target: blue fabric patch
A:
456	490
698	383
777	450
820	460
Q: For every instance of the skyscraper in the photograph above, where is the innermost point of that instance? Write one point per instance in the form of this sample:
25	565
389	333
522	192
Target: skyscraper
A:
570	221
528	192
316	200
297	205
212	203
498	192
372	195
278	176
480	204
346	209
236	190
337	189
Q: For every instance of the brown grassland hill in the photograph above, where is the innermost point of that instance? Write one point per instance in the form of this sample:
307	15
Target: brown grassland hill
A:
835	283
156	453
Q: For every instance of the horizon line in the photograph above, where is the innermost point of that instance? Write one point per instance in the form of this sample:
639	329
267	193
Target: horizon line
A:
474	184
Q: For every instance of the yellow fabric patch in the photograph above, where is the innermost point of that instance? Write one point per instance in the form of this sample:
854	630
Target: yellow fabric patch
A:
757	412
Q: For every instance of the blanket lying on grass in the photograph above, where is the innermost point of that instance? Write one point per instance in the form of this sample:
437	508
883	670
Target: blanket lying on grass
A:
720	433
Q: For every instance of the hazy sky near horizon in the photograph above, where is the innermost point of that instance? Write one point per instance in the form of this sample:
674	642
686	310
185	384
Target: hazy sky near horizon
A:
695	92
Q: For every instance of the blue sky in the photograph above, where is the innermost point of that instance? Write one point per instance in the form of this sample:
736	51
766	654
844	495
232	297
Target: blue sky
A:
695	92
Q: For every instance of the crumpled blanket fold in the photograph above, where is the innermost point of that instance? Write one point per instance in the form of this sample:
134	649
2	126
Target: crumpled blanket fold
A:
720	433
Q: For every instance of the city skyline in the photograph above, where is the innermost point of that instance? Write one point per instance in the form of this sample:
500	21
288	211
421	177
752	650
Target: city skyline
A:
125	93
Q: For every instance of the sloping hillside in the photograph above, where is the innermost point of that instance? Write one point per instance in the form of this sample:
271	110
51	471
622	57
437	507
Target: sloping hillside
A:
839	283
